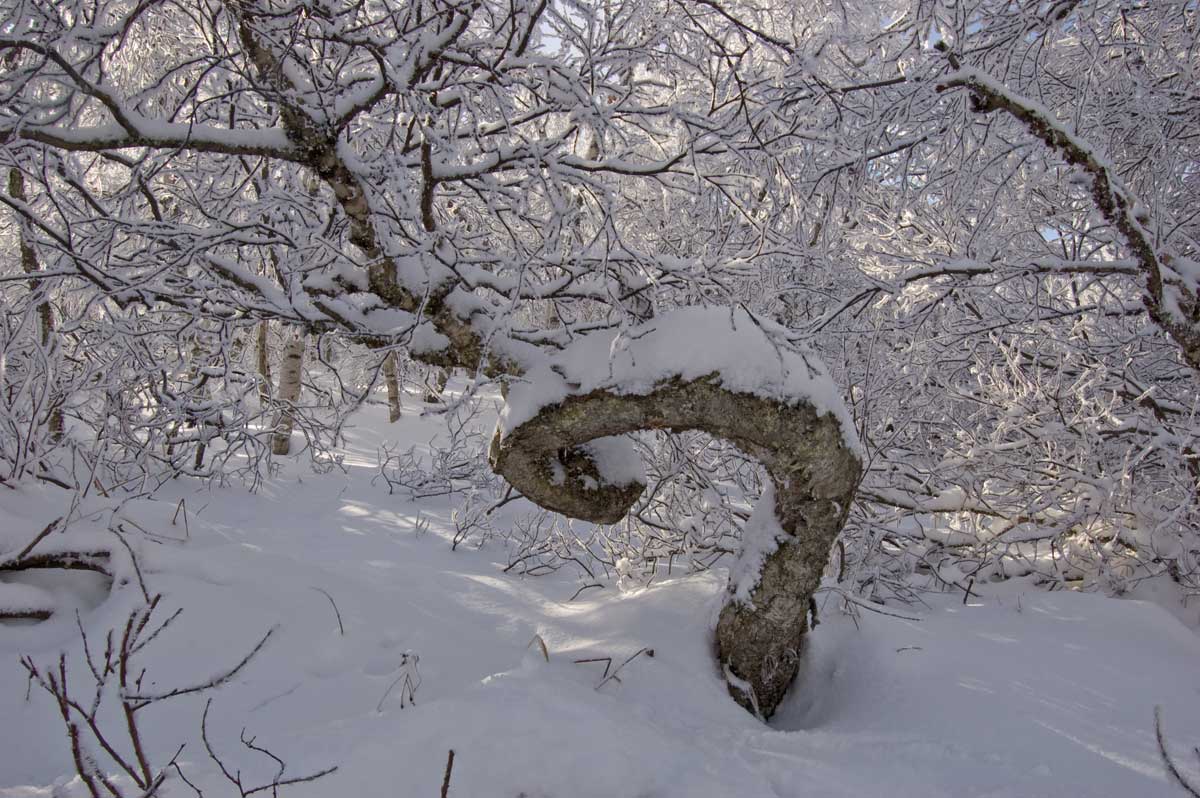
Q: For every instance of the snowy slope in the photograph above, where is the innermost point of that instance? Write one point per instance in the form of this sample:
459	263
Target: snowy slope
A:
1015	693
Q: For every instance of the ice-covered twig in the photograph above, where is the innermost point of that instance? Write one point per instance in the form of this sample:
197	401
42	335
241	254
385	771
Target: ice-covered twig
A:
1171	289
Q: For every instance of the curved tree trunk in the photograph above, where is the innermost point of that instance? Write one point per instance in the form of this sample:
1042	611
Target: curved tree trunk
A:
566	459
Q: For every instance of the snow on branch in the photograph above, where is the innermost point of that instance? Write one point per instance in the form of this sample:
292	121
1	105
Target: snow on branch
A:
563	443
1172	281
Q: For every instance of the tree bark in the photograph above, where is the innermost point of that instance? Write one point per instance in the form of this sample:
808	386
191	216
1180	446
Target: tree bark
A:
263	352
435	383
813	472
290	372
393	387
30	265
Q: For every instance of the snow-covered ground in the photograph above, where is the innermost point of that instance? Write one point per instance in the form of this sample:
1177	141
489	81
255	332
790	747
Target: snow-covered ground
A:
1017	692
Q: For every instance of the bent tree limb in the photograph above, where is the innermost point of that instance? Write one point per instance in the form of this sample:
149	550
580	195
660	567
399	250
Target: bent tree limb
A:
1171	280
564	457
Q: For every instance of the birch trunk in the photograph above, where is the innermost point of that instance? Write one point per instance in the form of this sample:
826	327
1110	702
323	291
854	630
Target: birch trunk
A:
289	393
264	363
393	387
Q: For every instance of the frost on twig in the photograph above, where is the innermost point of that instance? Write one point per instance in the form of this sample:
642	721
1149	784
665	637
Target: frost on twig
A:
117	678
1171	280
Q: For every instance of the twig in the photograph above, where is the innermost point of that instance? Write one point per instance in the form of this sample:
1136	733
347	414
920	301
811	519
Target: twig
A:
585	587
866	605
187	533
236	779
150	638
50	527
115	674
137	569
1179	778
446	778
216	681
606	660
341	628
186	780
53	481
407	660
649	652
541	644
510	495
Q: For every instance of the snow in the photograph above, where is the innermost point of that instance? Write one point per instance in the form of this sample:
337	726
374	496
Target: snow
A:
25	598
1016	692
747	354
761	537
617	461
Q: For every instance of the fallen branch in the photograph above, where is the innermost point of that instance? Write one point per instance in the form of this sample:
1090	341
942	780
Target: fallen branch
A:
96	561
25	615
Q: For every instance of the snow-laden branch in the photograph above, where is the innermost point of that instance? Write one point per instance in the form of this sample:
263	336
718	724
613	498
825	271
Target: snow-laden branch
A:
156	134
965	269
1172	281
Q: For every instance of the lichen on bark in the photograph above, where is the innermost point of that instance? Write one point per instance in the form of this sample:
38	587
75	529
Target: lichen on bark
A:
813	470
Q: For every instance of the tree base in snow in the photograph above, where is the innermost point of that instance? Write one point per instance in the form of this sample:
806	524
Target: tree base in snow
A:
552	458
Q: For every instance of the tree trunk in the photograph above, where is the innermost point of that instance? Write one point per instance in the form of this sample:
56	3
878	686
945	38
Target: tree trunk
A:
264	362
555	460
563	459
435	383
290	372
393	387
30	265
